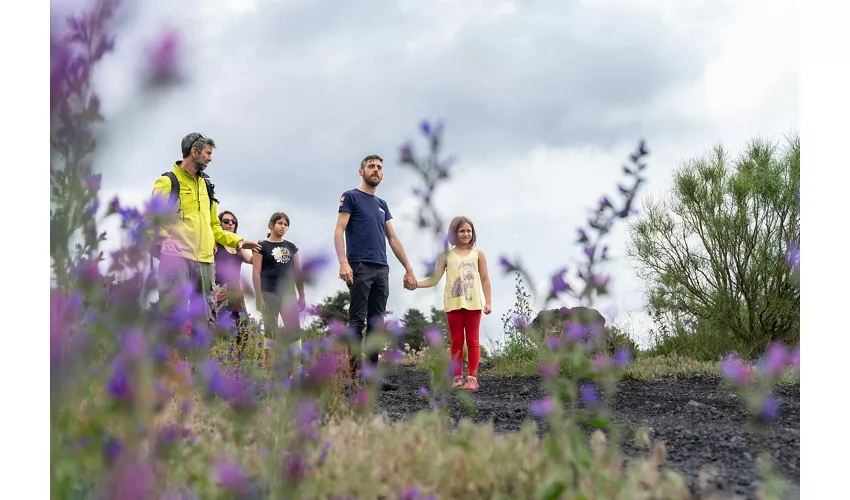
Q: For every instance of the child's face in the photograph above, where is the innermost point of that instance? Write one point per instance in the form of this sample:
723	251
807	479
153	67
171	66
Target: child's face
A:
280	227
464	234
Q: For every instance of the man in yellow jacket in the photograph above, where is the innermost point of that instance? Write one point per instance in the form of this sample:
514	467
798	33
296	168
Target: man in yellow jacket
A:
186	254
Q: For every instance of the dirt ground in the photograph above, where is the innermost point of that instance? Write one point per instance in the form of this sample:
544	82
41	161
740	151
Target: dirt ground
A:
702	424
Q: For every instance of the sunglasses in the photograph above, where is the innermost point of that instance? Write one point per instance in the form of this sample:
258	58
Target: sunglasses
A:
228	221
200	136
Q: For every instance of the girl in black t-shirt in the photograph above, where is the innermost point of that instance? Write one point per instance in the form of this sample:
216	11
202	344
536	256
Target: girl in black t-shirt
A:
276	277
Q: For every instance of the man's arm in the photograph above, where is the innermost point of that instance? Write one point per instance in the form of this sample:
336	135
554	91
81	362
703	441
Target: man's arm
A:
222	237
226	238
345	273
162	188
398	250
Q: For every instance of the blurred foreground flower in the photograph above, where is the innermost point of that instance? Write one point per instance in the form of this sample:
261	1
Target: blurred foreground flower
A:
163	64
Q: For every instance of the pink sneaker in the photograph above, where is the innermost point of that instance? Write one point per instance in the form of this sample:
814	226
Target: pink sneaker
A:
471	384
457	382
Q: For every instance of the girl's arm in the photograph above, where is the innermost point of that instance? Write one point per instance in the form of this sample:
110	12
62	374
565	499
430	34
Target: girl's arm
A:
436	276
299	281
257	261
485	281
246	255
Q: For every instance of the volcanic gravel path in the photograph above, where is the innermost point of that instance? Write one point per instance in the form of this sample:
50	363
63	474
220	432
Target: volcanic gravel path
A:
701	423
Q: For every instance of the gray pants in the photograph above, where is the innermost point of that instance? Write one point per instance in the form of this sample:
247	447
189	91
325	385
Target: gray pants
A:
174	272
279	306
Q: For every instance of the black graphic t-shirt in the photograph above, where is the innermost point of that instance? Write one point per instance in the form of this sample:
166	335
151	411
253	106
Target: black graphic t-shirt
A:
277	264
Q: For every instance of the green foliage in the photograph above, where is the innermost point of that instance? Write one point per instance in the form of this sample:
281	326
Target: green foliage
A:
333	306
715	255
415	324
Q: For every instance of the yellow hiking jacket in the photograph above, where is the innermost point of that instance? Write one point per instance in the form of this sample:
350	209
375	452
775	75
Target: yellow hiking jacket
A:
197	228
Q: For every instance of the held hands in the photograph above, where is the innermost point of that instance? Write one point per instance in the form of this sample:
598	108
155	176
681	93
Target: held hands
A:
302	304
261	304
410	280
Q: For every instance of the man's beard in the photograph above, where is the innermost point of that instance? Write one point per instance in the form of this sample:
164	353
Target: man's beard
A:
372	181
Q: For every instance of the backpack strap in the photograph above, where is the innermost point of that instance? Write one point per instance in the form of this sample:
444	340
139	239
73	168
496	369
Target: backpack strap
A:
175	189
210	189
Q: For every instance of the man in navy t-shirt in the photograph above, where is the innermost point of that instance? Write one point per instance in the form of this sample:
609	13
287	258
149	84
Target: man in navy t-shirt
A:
365	221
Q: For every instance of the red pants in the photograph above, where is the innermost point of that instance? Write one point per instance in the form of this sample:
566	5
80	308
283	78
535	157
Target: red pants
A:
460	321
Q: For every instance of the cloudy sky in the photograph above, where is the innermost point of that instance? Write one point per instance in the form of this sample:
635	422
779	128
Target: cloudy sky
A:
542	103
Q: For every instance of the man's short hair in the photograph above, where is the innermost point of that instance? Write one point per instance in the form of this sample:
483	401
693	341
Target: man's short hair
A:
370	158
194	140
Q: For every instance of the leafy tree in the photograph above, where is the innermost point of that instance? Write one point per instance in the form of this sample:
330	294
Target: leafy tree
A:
437	319
415	324
333	306
715	255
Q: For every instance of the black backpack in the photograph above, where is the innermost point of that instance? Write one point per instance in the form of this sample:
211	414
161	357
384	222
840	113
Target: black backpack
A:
174	197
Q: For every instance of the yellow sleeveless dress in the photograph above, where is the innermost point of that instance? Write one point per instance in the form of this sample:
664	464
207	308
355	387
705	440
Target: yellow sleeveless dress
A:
463	288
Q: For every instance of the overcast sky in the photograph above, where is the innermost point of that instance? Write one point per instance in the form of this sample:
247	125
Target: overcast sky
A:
542	102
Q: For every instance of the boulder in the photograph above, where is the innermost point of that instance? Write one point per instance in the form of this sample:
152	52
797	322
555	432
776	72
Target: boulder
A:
556	318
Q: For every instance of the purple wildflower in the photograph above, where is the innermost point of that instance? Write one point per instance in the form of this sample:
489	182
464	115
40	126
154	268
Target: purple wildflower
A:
225	323
324	456
132	481
559	283
164	58
133	343
554	342
120	385
575	332
588	393
62	309
361	399
434	336
623	356
507	265
312	265
295	468
112	449
769	408
211	371
169	435
410	493
393	356
160	206
305	416
601	362
337	328
735	369
543	407
795	358
520	323
395	328
775	359
231	477
423	392
548	370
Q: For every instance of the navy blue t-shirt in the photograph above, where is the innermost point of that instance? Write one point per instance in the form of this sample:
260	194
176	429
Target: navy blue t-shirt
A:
365	235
